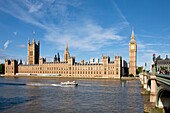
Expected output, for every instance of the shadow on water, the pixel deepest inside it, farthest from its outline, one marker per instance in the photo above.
(12, 84)
(6, 103)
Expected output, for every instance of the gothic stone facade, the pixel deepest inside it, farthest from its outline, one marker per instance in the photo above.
(132, 55)
(162, 63)
(33, 52)
(68, 67)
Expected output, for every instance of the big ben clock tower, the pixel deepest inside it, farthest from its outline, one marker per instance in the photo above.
(132, 55)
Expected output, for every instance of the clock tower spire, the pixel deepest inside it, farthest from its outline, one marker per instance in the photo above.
(132, 54)
(133, 35)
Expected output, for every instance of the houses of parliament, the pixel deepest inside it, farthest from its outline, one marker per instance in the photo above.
(69, 67)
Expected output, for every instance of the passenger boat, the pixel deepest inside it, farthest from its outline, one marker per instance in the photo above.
(68, 83)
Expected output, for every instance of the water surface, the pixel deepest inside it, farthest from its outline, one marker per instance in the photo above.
(35, 95)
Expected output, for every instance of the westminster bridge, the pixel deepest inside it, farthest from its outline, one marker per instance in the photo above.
(159, 87)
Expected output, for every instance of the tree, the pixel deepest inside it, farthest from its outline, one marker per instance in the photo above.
(2, 68)
(139, 70)
(163, 69)
(131, 75)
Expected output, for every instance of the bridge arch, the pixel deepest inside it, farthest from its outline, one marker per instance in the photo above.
(163, 98)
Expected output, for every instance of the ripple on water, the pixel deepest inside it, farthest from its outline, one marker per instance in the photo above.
(91, 96)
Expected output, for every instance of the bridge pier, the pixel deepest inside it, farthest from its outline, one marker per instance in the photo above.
(141, 78)
(145, 81)
(159, 87)
(153, 88)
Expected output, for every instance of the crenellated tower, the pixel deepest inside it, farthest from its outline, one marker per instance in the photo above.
(33, 52)
(132, 55)
(11, 67)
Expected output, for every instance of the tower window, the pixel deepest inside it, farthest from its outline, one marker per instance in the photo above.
(31, 53)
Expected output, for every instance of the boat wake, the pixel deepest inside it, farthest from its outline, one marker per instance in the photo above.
(40, 84)
(92, 85)
(52, 85)
(34, 84)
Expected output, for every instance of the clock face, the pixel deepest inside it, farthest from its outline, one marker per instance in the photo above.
(132, 47)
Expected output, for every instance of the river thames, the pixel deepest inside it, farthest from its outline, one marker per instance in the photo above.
(44, 95)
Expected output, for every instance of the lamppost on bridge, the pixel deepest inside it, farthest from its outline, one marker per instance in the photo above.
(154, 64)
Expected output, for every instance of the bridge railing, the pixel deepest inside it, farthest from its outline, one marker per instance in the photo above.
(163, 91)
(163, 78)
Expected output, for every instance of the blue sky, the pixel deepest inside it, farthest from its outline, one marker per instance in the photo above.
(91, 28)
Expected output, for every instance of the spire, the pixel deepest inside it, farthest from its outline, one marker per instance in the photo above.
(67, 46)
(132, 36)
(38, 42)
(58, 57)
(20, 62)
(33, 40)
(66, 53)
(28, 40)
(55, 58)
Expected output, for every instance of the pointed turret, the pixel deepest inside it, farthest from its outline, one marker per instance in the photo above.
(55, 58)
(38, 42)
(28, 40)
(20, 63)
(33, 40)
(58, 55)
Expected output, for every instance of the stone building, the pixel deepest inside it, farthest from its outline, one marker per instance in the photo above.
(11, 67)
(162, 63)
(68, 67)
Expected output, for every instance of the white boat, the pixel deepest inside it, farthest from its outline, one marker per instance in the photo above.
(68, 83)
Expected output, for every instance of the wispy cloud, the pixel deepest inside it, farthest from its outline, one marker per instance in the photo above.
(152, 36)
(120, 12)
(2, 55)
(15, 33)
(89, 38)
(141, 45)
(22, 46)
(17, 10)
(82, 33)
(6, 44)
(35, 8)
(146, 36)
(147, 51)
(157, 44)
(144, 53)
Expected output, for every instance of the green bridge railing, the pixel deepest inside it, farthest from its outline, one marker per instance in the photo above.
(163, 78)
